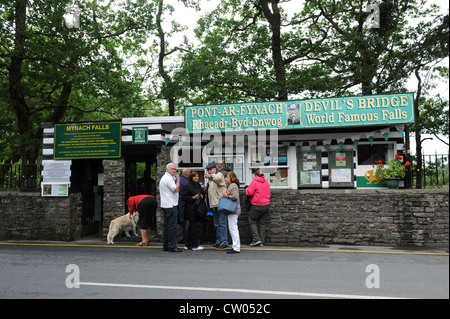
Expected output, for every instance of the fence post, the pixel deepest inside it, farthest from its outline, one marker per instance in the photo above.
(409, 173)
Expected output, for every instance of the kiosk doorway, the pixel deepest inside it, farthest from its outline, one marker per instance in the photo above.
(140, 175)
(87, 180)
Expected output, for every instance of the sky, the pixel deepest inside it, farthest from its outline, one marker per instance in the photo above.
(189, 18)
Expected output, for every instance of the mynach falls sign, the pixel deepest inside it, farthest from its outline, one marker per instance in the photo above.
(352, 111)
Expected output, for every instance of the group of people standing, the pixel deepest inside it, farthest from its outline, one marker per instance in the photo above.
(181, 195)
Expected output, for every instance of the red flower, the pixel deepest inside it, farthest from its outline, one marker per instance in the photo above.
(407, 163)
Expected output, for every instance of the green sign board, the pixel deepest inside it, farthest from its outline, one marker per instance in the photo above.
(88, 140)
(353, 111)
(236, 116)
(140, 135)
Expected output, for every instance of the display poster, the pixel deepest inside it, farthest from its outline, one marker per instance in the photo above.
(341, 160)
(279, 178)
(315, 177)
(309, 167)
(56, 171)
(341, 175)
(56, 178)
(55, 189)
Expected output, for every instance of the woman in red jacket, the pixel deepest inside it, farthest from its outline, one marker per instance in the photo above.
(259, 189)
(146, 206)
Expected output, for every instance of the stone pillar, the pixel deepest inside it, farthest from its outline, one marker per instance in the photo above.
(162, 159)
(113, 191)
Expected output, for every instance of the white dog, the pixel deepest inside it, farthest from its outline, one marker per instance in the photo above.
(123, 223)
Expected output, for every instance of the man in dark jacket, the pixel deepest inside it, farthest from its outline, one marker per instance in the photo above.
(184, 181)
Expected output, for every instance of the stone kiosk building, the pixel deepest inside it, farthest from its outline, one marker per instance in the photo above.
(317, 155)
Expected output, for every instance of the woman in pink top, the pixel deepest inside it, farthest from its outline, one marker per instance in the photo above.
(259, 189)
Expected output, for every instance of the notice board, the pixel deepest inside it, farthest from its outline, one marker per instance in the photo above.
(97, 140)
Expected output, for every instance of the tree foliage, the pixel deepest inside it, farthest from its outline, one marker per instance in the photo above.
(122, 63)
(58, 74)
(260, 49)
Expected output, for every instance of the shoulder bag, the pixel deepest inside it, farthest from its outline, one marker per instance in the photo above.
(200, 207)
(227, 206)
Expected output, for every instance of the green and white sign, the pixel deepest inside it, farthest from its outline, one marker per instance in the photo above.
(373, 110)
(236, 116)
(140, 135)
(88, 140)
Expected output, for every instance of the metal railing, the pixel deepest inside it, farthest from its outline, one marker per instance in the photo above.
(435, 171)
(27, 177)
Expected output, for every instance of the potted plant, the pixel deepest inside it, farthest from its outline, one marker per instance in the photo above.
(392, 172)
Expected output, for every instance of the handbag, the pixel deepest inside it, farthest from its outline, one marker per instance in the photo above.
(248, 202)
(227, 206)
(200, 207)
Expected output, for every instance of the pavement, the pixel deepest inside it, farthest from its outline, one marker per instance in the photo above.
(93, 241)
(51, 269)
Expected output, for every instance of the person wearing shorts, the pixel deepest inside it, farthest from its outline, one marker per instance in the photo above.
(146, 206)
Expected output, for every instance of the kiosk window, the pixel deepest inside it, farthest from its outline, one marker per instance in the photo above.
(189, 157)
(368, 154)
(275, 176)
(233, 162)
(273, 164)
(310, 170)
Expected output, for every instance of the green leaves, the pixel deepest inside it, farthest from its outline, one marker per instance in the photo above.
(72, 74)
(250, 50)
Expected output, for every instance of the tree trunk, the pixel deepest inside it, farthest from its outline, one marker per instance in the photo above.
(166, 92)
(273, 16)
(419, 161)
(418, 136)
(29, 153)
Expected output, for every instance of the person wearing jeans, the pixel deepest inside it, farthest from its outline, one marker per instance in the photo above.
(220, 222)
(169, 188)
(216, 187)
(170, 229)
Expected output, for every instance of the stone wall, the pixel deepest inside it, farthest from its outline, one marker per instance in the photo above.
(30, 216)
(356, 217)
(114, 192)
(162, 158)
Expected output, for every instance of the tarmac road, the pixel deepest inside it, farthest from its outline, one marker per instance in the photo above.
(40, 270)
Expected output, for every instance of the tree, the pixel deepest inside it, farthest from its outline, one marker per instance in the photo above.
(171, 87)
(434, 48)
(370, 59)
(325, 48)
(58, 74)
(381, 59)
(432, 115)
(248, 51)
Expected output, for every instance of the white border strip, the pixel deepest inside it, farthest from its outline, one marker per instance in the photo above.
(242, 291)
